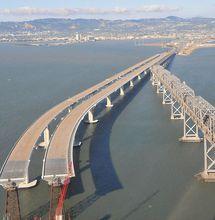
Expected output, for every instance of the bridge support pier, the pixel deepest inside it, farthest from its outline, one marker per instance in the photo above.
(152, 76)
(167, 97)
(208, 175)
(109, 103)
(191, 130)
(131, 83)
(122, 91)
(139, 77)
(160, 88)
(46, 138)
(55, 191)
(12, 207)
(165, 64)
(176, 110)
(154, 80)
(91, 119)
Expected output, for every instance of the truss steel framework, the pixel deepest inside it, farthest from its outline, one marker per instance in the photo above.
(196, 112)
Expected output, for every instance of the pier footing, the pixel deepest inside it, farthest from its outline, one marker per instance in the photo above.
(206, 177)
(77, 144)
(27, 185)
(91, 121)
(190, 139)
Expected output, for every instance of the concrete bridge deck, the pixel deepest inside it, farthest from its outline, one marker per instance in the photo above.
(58, 161)
(16, 166)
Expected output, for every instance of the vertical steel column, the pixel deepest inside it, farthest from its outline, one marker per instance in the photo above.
(12, 207)
(209, 156)
(176, 110)
(55, 190)
(160, 88)
(154, 80)
(167, 97)
(191, 130)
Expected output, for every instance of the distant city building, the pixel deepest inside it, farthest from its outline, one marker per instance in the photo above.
(77, 37)
(90, 38)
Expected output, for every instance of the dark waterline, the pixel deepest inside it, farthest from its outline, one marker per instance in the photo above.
(147, 174)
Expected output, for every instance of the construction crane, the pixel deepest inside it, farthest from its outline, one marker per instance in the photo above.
(58, 196)
(59, 209)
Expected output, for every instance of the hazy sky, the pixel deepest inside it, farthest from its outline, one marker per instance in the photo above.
(108, 9)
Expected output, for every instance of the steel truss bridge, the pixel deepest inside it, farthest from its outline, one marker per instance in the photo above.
(197, 114)
(56, 129)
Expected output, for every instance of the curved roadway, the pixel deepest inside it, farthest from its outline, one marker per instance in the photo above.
(17, 163)
(58, 161)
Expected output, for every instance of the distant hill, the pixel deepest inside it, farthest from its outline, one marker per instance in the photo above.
(88, 25)
(174, 18)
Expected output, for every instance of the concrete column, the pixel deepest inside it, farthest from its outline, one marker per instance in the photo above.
(91, 118)
(122, 91)
(109, 104)
(46, 137)
(139, 77)
(131, 83)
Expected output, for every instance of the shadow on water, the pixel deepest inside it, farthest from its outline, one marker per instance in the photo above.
(76, 185)
(104, 175)
(40, 211)
(103, 172)
(140, 205)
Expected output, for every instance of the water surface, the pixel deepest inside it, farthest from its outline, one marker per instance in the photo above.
(131, 165)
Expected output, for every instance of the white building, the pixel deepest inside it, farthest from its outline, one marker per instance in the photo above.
(77, 37)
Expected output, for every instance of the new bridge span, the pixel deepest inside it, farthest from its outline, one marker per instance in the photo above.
(66, 117)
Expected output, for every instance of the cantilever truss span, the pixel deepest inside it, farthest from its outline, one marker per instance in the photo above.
(195, 111)
(64, 120)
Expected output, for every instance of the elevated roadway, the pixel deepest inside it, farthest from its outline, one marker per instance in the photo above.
(58, 160)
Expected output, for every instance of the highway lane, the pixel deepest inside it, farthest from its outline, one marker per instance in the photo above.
(59, 158)
(17, 163)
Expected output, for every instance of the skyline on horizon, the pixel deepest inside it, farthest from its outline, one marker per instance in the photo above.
(19, 10)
